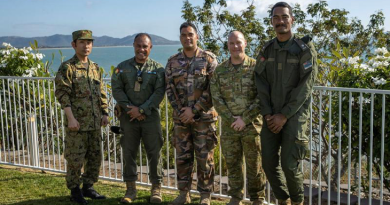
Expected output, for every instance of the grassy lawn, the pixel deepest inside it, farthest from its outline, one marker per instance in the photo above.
(26, 186)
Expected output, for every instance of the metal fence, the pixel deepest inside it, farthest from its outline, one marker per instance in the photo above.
(347, 162)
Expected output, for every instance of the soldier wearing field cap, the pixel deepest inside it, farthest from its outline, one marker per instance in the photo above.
(285, 73)
(80, 91)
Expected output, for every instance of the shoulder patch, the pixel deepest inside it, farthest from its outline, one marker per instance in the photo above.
(301, 44)
(173, 56)
(210, 53)
(268, 43)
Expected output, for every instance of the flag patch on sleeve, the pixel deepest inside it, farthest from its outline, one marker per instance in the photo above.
(307, 64)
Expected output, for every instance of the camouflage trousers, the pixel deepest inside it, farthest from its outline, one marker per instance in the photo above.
(82, 148)
(199, 138)
(236, 145)
(283, 153)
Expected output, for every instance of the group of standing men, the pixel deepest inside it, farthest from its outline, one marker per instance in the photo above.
(263, 104)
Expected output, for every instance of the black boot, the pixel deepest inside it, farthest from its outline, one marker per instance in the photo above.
(77, 196)
(90, 192)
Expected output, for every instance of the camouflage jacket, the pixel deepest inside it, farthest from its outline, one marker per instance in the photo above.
(82, 89)
(188, 83)
(234, 92)
(285, 76)
(152, 88)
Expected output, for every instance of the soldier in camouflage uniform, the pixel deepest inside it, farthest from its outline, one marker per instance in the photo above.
(235, 99)
(138, 86)
(80, 91)
(187, 77)
(285, 74)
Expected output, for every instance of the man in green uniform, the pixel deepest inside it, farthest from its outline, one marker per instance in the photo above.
(188, 75)
(138, 86)
(80, 91)
(235, 99)
(285, 74)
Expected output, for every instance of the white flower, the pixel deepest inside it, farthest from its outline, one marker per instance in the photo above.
(382, 51)
(366, 100)
(3, 65)
(378, 81)
(29, 48)
(6, 44)
(24, 50)
(23, 57)
(343, 60)
(39, 56)
(39, 66)
(353, 60)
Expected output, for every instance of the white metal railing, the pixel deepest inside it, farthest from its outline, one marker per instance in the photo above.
(343, 141)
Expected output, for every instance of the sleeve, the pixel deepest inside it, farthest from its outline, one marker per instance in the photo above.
(262, 85)
(205, 102)
(308, 72)
(118, 90)
(63, 81)
(170, 86)
(103, 94)
(158, 94)
(253, 110)
(218, 101)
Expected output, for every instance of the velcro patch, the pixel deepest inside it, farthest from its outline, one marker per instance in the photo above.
(307, 64)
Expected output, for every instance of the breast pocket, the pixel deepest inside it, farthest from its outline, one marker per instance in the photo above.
(291, 73)
(149, 80)
(81, 86)
(200, 79)
(129, 79)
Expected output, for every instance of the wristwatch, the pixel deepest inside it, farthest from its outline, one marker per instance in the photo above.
(142, 111)
(195, 111)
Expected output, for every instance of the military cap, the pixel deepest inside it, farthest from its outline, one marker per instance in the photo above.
(82, 35)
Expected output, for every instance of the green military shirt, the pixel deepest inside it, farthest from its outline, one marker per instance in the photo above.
(234, 92)
(152, 89)
(82, 89)
(285, 76)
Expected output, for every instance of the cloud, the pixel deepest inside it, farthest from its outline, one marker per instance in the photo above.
(262, 6)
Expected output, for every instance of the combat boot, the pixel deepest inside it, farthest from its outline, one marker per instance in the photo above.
(234, 201)
(77, 196)
(90, 192)
(284, 202)
(205, 198)
(258, 202)
(155, 194)
(183, 198)
(131, 193)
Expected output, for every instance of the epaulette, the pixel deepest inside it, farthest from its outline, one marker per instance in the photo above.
(173, 56)
(268, 43)
(302, 42)
(210, 54)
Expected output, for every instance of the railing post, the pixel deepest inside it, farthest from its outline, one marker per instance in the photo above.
(33, 138)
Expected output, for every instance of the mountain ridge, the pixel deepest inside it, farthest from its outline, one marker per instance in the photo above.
(63, 41)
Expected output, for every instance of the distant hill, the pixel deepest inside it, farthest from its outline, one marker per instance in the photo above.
(59, 41)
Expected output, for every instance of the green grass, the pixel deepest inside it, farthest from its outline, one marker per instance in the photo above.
(21, 186)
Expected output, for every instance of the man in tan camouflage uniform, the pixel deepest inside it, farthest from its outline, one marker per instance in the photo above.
(187, 77)
(235, 98)
(138, 85)
(80, 91)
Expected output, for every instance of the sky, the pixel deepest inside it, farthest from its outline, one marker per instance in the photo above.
(120, 18)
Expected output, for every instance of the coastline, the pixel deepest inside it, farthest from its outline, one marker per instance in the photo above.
(48, 48)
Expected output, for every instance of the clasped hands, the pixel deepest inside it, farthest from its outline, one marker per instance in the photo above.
(275, 122)
(135, 114)
(186, 116)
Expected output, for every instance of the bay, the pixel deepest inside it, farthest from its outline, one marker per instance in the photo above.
(109, 56)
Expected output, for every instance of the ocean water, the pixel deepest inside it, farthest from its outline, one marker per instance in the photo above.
(110, 56)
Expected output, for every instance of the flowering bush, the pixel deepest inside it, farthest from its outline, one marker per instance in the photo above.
(370, 72)
(21, 62)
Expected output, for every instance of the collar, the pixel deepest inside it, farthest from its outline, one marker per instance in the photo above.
(78, 63)
(288, 44)
(245, 63)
